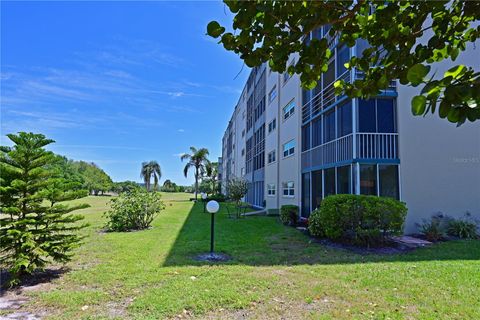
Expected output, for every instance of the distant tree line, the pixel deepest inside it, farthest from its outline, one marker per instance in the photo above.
(82, 175)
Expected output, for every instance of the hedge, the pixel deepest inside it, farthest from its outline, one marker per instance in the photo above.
(289, 214)
(358, 219)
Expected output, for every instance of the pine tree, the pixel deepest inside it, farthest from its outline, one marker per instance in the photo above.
(35, 227)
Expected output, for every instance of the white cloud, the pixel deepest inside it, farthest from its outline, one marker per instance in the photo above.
(181, 130)
(176, 94)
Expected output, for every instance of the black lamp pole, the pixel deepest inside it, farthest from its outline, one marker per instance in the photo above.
(204, 204)
(212, 231)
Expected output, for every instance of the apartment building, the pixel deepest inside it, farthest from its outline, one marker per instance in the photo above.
(304, 145)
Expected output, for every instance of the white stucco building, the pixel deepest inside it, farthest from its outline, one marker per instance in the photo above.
(296, 146)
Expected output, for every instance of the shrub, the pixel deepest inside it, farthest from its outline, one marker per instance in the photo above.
(465, 228)
(217, 197)
(435, 228)
(237, 189)
(358, 219)
(133, 211)
(289, 214)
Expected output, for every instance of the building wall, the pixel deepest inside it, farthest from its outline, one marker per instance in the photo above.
(440, 163)
(283, 169)
(272, 141)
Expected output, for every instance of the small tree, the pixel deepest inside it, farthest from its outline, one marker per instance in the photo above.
(133, 210)
(35, 228)
(237, 189)
(210, 176)
(151, 169)
(197, 160)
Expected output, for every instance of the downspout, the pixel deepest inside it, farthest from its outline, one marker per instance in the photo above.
(279, 155)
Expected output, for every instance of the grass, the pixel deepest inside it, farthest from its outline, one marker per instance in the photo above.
(276, 272)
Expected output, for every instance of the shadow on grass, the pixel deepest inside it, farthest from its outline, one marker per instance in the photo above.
(36, 278)
(264, 241)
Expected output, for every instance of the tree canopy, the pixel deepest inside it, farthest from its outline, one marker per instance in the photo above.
(405, 39)
(35, 226)
(95, 180)
(197, 160)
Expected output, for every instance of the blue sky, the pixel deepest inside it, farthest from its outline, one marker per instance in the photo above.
(118, 83)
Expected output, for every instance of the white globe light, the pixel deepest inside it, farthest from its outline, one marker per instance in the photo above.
(204, 196)
(213, 206)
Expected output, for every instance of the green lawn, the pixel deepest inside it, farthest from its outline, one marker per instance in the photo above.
(276, 272)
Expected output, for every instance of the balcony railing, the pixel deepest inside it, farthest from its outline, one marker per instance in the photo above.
(323, 99)
(377, 145)
(340, 149)
(327, 97)
(381, 146)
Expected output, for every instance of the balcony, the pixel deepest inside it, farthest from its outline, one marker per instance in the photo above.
(377, 146)
(326, 97)
(340, 149)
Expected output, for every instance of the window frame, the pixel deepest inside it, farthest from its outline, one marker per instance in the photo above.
(290, 151)
(271, 190)
(286, 75)
(273, 90)
(271, 157)
(288, 186)
(272, 125)
(287, 114)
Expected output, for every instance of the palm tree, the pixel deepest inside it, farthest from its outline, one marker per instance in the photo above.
(211, 174)
(149, 169)
(197, 159)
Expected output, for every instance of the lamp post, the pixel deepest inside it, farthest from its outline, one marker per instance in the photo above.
(212, 207)
(204, 198)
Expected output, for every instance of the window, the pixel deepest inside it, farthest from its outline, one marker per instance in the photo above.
(368, 179)
(306, 137)
(243, 113)
(329, 126)
(242, 171)
(317, 185)
(343, 56)
(329, 181)
(366, 115)
(306, 194)
(287, 75)
(288, 110)
(243, 133)
(343, 179)
(243, 152)
(326, 29)
(289, 148)
(317, 132)
(273, 94)
(376, 115)
(271, 156)
(306, 96)
(385, 115)
(288, 189)
(388, 175)
(272, 125)
(344, 119)
(329, 76)
(270, 189)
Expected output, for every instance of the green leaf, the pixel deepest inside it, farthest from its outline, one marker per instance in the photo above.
(214, 29)
(417, 73)
(454, 115)
(455, 72)
(418, 105)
